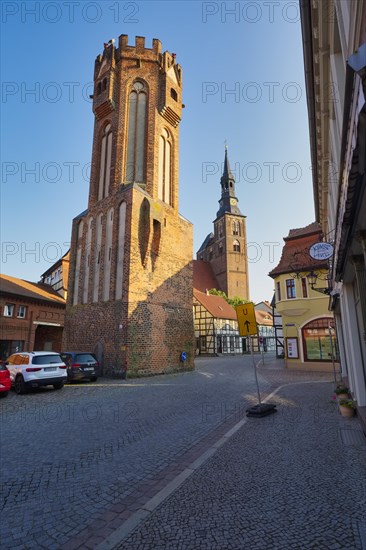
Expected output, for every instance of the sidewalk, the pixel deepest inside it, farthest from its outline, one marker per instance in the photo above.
(292, 480)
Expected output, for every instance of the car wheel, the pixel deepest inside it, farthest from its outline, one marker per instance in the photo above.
(19, 385)
(4, 393)
(94, 379)
(58, 386)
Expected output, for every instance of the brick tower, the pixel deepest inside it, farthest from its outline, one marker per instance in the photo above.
(130, 287)
(226, 248)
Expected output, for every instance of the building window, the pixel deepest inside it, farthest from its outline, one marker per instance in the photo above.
(221, 249)
(105, 162)
(236, 228)
(278, 291)
(236, 246)
(174, 94)
(304, 287)
(210, 255)
(224, 344)
(319, 340)
(9, 310)
(22, 312)
(290, 288)
(135, 167)
(165, 162)
(232, 343)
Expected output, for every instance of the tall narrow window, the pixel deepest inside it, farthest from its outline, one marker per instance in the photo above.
(236, 228)
(236, 246)
(278, 289)
(108, 254)
(290, 288)
(87, 260)
(97, 256)
(304, 288)
(135, 168)
(120, 250)
(78, 263)
(165, 150)
(105, 163)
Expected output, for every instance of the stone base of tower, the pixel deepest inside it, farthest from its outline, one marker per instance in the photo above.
(146, 330)
(150, 341)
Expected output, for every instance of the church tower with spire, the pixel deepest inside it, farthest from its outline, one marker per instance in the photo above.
(226, 248)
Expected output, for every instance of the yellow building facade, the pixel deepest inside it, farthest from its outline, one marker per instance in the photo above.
(308, 326)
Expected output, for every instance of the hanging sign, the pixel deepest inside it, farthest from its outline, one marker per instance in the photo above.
(321, 251)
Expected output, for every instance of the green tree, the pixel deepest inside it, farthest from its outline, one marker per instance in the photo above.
(235, 301)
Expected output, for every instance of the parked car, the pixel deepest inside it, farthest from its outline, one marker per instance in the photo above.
(5, 382)
(81, 365)
(35, 369)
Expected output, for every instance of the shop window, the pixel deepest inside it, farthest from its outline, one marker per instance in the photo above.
(319, 340)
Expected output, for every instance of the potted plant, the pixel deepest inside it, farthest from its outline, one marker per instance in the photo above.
(347, 407)
(341, 391)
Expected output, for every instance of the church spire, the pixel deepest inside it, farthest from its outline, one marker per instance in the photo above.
(228, 202)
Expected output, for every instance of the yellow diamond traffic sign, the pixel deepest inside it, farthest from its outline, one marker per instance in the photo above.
(246, 319)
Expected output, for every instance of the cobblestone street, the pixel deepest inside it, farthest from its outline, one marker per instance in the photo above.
(83, 466)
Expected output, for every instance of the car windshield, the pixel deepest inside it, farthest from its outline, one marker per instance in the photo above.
(46, 359)
(85, 358)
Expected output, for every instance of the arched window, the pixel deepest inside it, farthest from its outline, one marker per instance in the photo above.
(174, 94)
(87, 256)
(236, 227)
(78, 262)
(108, 255)
(165, 162)
(135, 167)
(120, 249)
(97, 256)
(105, 162)
(104, 84)
(236, 246)
(319, 340)
(99, 88)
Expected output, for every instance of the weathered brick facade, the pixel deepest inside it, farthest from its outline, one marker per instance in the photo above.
(130, 283)
(31, 317)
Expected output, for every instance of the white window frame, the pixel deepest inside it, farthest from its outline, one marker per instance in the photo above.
(9, 308)
(24, 309)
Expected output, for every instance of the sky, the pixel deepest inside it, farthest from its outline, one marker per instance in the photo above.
(243, 85)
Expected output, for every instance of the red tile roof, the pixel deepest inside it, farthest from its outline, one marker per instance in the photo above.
(263, 318)
(216, 305)
(36, 291)
(203, 276)
(295, 253)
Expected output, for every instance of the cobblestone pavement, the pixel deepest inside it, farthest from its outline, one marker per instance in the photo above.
(77, 464)
(74, 461)
(292, 480)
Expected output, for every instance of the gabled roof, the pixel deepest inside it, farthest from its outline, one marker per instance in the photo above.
(263, 318)
(216, 305)
(311, 229)
(295, 253)
(203, 276)
(35, 291)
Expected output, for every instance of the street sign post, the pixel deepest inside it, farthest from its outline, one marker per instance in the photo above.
(246, 319)
(247, 324)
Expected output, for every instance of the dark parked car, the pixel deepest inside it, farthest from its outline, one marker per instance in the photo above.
(5, 382)
(81, 365)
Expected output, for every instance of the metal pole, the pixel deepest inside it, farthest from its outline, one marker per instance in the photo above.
(255, 370)
(332, 352)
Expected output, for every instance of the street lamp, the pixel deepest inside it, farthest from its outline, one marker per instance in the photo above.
(312, 278)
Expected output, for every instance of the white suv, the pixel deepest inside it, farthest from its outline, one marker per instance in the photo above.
(37, 368)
